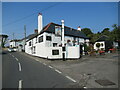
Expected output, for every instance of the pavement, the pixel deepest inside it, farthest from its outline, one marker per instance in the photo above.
(87, 70)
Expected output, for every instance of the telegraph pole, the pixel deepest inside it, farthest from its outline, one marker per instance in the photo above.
(25, 33)
(24, 36)
(13, 36)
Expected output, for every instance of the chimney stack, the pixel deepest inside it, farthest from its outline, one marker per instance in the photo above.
(36, 31)
(79, 28)
(40, 26)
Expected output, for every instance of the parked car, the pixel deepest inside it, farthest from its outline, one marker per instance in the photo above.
(15, 49)
(10, 49)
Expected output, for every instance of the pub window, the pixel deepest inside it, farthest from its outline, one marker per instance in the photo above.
(54, 44)
(48, 38)
(41, 39)
(30, 43)
(55, 52)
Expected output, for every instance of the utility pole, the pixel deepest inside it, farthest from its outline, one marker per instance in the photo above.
(13, 36)
(24, 36)
(25, 33)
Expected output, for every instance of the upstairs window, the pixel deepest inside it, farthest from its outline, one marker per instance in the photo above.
(40, 39)
(48, 38)
(30, 43)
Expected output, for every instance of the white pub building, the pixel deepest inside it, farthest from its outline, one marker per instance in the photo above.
(56, 41)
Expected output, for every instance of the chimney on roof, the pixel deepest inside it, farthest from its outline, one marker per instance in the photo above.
(40, 26)
(36, 31)
(79, 28)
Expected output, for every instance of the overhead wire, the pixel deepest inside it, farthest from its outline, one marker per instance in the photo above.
(18, 20)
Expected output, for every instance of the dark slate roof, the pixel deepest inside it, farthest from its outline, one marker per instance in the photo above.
(30, 36)
(50, 28)
(102, 38)
(16, 40)
(68, 31)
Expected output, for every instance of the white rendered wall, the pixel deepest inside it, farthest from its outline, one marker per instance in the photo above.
(101, 42)
(72, 52)
(55, 39)
(13, 44)
(44, 49)
(49, 52)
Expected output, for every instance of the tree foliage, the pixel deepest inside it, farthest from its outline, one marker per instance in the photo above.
(3, 40)
(87, 31)
(114, 34)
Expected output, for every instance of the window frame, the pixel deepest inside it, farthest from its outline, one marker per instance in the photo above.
(30, 43)
(40, 39)
(48, 38)
(55, 52)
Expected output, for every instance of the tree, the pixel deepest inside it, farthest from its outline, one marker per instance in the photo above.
(87, 31)
(114, 26)
(3, 40)
(106, 32)
(115, 33)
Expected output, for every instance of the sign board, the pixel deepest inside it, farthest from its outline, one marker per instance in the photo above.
(58, 30)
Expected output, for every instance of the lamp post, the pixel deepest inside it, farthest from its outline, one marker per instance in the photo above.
(63, 43)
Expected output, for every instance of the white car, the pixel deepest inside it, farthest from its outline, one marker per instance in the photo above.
(10, 49)
(15, 49)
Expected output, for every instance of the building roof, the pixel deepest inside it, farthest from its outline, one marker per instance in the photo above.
(50, 28)
(102, 38)
(15, 40)
(30, 36)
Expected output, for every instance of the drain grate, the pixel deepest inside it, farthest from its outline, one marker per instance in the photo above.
(104, 82)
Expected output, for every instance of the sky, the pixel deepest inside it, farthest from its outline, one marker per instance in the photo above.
(93, 15)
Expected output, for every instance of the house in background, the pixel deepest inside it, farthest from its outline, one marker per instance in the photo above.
(19, 44)
(105, 43)
(22, 42)
(14, 43)
(48, 42)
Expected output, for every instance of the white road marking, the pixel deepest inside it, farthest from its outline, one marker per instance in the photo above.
(70, 78)
(19, 66)
(44, 63)
(50, 66)
(16, 59)
(57, 71)
(12, 55)
(20, 84)
(36, 60)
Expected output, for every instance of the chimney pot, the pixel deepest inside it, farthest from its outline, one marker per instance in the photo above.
(36, 31)
(40, 14)
(79, 28)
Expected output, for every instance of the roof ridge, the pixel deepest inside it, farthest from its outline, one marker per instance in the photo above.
(47, 26)
(65, 26)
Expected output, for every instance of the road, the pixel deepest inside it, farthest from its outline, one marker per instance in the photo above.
(20, 71)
